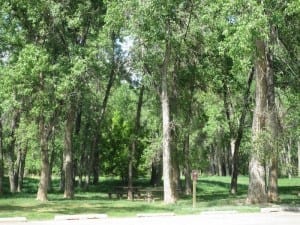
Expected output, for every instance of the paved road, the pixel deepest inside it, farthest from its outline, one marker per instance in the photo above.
(278, 218)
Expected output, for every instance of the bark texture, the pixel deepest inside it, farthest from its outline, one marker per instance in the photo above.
(42, 193)
(298, 146)
(169, 189)
(257, 187)
(187, 167)
(1, 157)
(264, 131)
(68, 154)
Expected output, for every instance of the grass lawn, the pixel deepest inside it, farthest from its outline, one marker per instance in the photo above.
(212, 194)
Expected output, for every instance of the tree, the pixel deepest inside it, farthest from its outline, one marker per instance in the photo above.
(1, 158)
(134, 142)
(266, 126)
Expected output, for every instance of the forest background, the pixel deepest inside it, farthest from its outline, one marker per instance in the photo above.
(137, 88)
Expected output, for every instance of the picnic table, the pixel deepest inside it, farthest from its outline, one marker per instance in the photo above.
(150, 194)
(119, 191)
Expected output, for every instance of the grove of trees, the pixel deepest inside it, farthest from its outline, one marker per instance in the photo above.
(135, 88)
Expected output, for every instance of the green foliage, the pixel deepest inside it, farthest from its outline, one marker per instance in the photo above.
(117, 138)
(57, 53)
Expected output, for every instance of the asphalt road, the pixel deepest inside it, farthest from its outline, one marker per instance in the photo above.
(273, 218)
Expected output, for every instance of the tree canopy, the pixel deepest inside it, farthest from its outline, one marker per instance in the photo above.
(149, 88)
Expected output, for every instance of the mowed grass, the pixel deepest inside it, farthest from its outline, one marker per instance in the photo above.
(212, 194)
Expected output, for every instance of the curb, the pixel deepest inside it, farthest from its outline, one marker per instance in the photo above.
(13, 219)
(80, 217)
(218, 212)
(154, 214)
(280, 209)
(271, 209)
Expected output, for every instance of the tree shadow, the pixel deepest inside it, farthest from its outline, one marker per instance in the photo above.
(289, 195)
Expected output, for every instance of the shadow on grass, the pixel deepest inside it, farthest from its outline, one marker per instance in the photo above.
(210, 191)
(78, 206)
(289, 195)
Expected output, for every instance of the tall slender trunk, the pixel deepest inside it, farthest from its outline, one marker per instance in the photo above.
(298, 146)
(62, 175)
(12, 170)
(236, 141)
(135, 142)
(95, 159)
(68, 153)
(52, 159)
(234, 165)
(169, 190)
(112, 76)
(288, 159)
(51, 163)
(90, 157)
(212, 160)
(175, 168)
(273, 128)
(227, 163)
(21, 167)
(186, 141)
(42, 193)
(187, 167)
(257, 187)
(235, 146)
(219, 158)
(1, 157)
(167, 161)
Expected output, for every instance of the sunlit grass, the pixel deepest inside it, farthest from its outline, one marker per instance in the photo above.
(212, 194)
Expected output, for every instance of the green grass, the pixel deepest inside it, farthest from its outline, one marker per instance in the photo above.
(212, 194)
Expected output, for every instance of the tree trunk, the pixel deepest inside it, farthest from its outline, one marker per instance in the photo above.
(95, 159)
(156, 171)
(236, 142)
(265, 121)
(227, 163)
(298, 145)
(234, 164)
(130, 170)
(186, 142)
(236, 133)
(134, 143)
(288, 159)
(68, 154)
(169, 190)
(187, 167)
(21, 167)
(1, 158)
(211, 159)
(62, 175)
(257, 188)
(112, 76)
(52, 160)
(43, 185)
(219, 160)
(273, 180)
(175, 170)
(273, 129)
(12, 172)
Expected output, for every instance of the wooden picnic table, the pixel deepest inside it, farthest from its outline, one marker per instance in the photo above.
(119, 191)
(149, 194)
